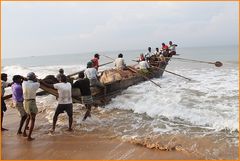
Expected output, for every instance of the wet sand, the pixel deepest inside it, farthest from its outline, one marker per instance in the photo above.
(67, 146)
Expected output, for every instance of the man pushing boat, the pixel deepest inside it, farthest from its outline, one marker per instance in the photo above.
(64, 100)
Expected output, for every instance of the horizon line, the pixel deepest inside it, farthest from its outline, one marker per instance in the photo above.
(84, 52)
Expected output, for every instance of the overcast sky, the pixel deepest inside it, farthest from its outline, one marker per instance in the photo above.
(42, 28)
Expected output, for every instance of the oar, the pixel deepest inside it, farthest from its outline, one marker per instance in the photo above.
(108, 57)
(38, 94)
(167, 71)
(10, 95)
(135, 71)
(84, 69)
(217, 63)
(173, 73)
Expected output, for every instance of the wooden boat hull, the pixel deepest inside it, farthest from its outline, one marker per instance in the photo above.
(113, 88)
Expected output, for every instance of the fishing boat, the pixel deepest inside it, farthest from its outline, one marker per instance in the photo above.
(115, 81)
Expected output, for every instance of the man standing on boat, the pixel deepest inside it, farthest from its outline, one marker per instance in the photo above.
(84, 85)
(91, 74)
(95, 61)
(30, 88)
(64, 101)
(17, 96)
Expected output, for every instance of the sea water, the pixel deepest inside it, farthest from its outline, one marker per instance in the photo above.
(198, 116)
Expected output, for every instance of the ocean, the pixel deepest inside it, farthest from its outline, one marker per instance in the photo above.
(198, 117)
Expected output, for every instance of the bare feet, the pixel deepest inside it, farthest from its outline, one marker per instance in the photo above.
(19, 132)
(70, 129)
(24, 134)
(3, 129)
(87, 114)
(30, 139)
(52, 131)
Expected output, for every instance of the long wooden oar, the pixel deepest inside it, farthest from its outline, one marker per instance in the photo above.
(135, 71)
(217, 63)
(54, 92)
(84, 69)
(38, 94)
(173, 73)
(167, 71)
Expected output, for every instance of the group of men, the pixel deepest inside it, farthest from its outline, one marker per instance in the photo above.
(24, 90)
(165, 53)
(24, 96)
(24, 99)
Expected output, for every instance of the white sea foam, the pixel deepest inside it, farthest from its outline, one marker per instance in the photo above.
(210, 100)
(205, 107)
(42, 71)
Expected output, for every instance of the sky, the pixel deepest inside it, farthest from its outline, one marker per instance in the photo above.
(49, 28)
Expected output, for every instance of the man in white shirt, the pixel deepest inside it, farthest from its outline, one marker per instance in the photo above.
(91, 74)
(119, 62)
(64, 100)
(143, 65)
(30, 88)
(4, 84)
(157, 52)
(148, 54)
(61, 72)
(172, 48)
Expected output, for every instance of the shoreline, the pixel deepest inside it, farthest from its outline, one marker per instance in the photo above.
(68, 146)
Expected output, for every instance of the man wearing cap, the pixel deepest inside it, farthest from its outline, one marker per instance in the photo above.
(95, 61)
(61, 72)
(30, 88)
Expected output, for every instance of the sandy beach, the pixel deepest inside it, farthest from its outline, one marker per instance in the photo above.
(68, 146)
(197, 123)
(185, 107)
